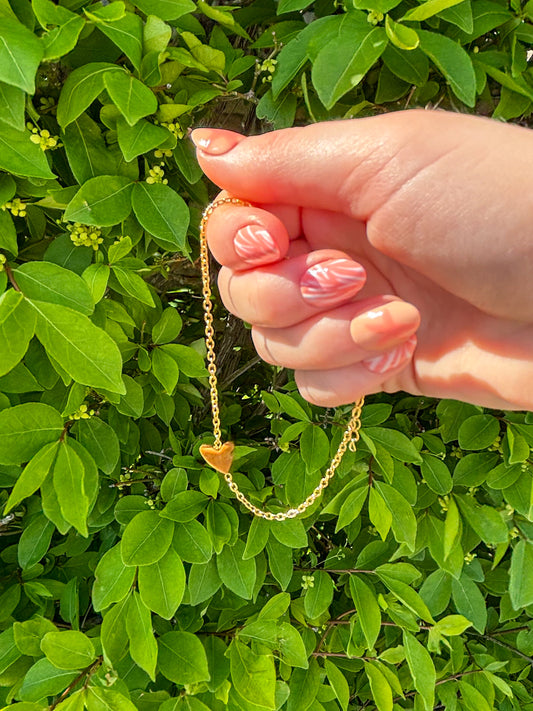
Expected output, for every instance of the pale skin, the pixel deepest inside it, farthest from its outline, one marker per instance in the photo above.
(435, 207)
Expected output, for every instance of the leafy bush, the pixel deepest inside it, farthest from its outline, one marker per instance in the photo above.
(131, 578)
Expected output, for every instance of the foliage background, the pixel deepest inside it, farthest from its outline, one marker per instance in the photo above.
(130, 578)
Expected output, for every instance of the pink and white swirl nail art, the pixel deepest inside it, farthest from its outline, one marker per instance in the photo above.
(255, 245)
(391, 359)
(332, 281)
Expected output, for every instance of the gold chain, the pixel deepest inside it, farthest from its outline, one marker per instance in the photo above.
(220, 451)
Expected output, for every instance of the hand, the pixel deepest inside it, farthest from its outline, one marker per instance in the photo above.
(431, 208)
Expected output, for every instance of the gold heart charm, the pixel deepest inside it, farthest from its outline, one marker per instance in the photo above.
(220, 459)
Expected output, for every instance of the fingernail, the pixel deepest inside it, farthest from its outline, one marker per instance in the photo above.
(385, 326)
(332, 281)
(215, 142)
(392, 359)
(256, 245)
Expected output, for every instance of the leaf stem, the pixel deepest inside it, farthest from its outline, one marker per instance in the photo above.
(11, 277)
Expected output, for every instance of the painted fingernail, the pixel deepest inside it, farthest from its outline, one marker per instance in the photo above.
(392, 359)
(332, 281)
(385, 326)
(215, 142)
(256, 245)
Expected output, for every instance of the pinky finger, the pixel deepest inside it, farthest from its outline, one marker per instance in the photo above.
(340, 386)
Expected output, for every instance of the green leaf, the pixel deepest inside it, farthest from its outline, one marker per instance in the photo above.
(279, 112)
(291, 6)
(9, 652)
(351, 507)
(459, 15)
(166, 9)
(25, 429)
(44, 679)
(469, 602)
(182, 658)
(379, 513)
(380, 687)
(411, 66)
(101, 201)
(400, 35)
(20, 55)
(162, 584)
(304, 684)
(17, 326)
(338, 681)
(189, 361)
(8, 233)
(133, 284)
(368, 610)
(218, 524)
(68, 649)
(185, 157)
(146, 538)
(258, 534)
(192, 542)
(478, 432)
(68, 479)
(314, 447)
(9, 600)
(236, 573)
(405, 594)
(452, 60)
(472, 698)
(253, 675)
(521, 575)
(422, 669)
(101, 441)
(34, 541)
(140, 138)
(87, 153)
(203, 581)
(428, 9)
(297, 51)
(80, 90)
(20, 156)
(453, 625)
(163, 214)
(49, 282)
(113, 631)
(113, 579)
(396, 443)
(343, 63)
(96, 277)
(404, 524)
(33, 475)
(105, 699)
(126, 33)
(452, 527)
(291, 646)
(436, 474)
(168, 327)
(472, 470)
(143, 647)
(132, 98)
(61, 40)
(83, 350)
(12, 107)
(291, 533)
(486, 521)
(452, 414)
(318, 597)
(165, 369)
(263, 632)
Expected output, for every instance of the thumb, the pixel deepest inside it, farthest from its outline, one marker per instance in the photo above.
(350, 166)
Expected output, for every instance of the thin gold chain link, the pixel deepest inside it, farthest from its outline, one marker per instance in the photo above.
(351, 433)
